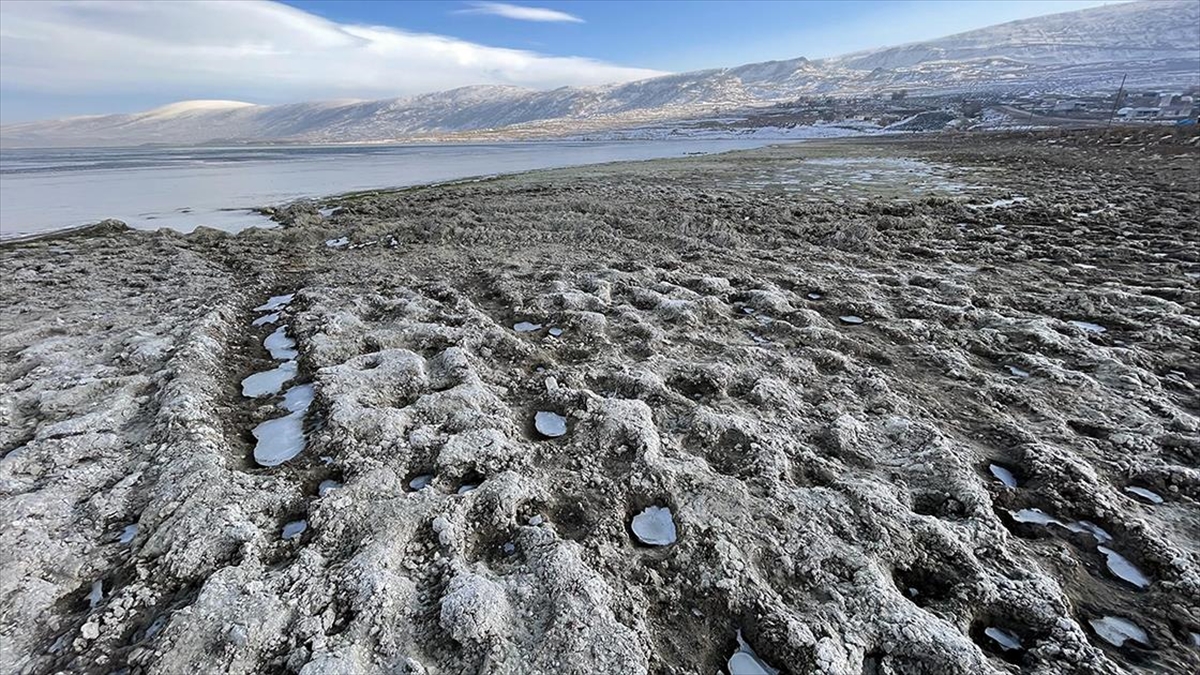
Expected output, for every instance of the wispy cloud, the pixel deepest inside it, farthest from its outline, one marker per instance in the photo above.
(520, 12)
(264, 52)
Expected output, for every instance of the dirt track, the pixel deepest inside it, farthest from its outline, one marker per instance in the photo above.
(830, 482)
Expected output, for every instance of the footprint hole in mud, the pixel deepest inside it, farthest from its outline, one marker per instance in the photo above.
(324, 480)
(1143, 494)
(697, 385)
(469, 482)
(1025, 523)
(419, 480)
(732, 455)
(498, 550)
(1004, 474)
(926, 585)
(546, 424)
(149, 623)
(343, 616)
(652, 522)
(575, 354)
(1089, 429)
(1002, 637)
(938, 504)
(1114, 630)
(573, 519)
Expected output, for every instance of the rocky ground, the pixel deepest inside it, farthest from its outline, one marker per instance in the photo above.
(910, 405)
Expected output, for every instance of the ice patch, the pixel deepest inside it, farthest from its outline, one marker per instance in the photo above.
(327, 486)
(265, 319)
(1000, 203)
(526, 327)
(1006, 640)
(1035, 517)
(814, 296)
(294, 529)
(269, 382)
(281, 347)
(283, 438)
(467, 488)
(1003, 475)
(556, 331)
(851, 319)
(96, 596)
(420, 482)
(1017, 372)
(1124, 570)
(654, 526)
(128, 534)
(1146, 495)
(1116, 631)
(1089, 326)
(337, 243)
(550, 425)
(745, 662)
(275, 302)
(1086, 526)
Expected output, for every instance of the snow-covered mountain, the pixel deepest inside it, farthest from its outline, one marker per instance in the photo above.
(1155, 42)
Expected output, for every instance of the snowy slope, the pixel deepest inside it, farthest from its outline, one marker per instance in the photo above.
(1157, 43)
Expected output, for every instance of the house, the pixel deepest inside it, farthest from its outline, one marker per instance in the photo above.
(1069, 106)
(1175, 106)
(1138, 113)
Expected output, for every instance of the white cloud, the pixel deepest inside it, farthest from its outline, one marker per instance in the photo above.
(253, 50)
(520, 12)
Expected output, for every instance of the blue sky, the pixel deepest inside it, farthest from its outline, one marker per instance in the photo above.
(65, 58)
(679, 36)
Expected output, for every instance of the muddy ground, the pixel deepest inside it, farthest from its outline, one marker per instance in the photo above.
(853, 497)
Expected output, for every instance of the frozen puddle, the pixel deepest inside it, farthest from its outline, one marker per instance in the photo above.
(1148, 496)
(1118, 565)
(550, 425)
(814, 296)
(1006, 640)
(526, 327)
(1035, 517)
(268, 382)
(1003, 475)
(294, 529)
(265, 319)
(556, 332)
(128, 534)
(1017, 372)
(745, 662)
(1124, 570)
(96, 596)
(1116, 631)
(327, 486)
(654, 526)
(420, 482)
(282, 347)
(1089, 326)
(283, 438)
(466, 489)
(275, 302)
(851, 319)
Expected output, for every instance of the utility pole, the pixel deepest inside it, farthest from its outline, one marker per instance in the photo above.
(1116, 102)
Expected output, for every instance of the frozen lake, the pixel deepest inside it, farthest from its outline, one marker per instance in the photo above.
(181, 188)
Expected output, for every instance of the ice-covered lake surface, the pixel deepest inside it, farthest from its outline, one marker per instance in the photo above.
(181, 188)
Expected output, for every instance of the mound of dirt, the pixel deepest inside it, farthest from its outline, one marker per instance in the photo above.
(992, 470)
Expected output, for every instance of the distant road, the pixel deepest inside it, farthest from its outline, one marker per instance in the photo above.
(1047, 120)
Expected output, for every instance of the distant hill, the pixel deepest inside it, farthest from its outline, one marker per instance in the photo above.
(1157, 43)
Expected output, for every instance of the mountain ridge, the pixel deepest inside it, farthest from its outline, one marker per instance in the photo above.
(1085, 50)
